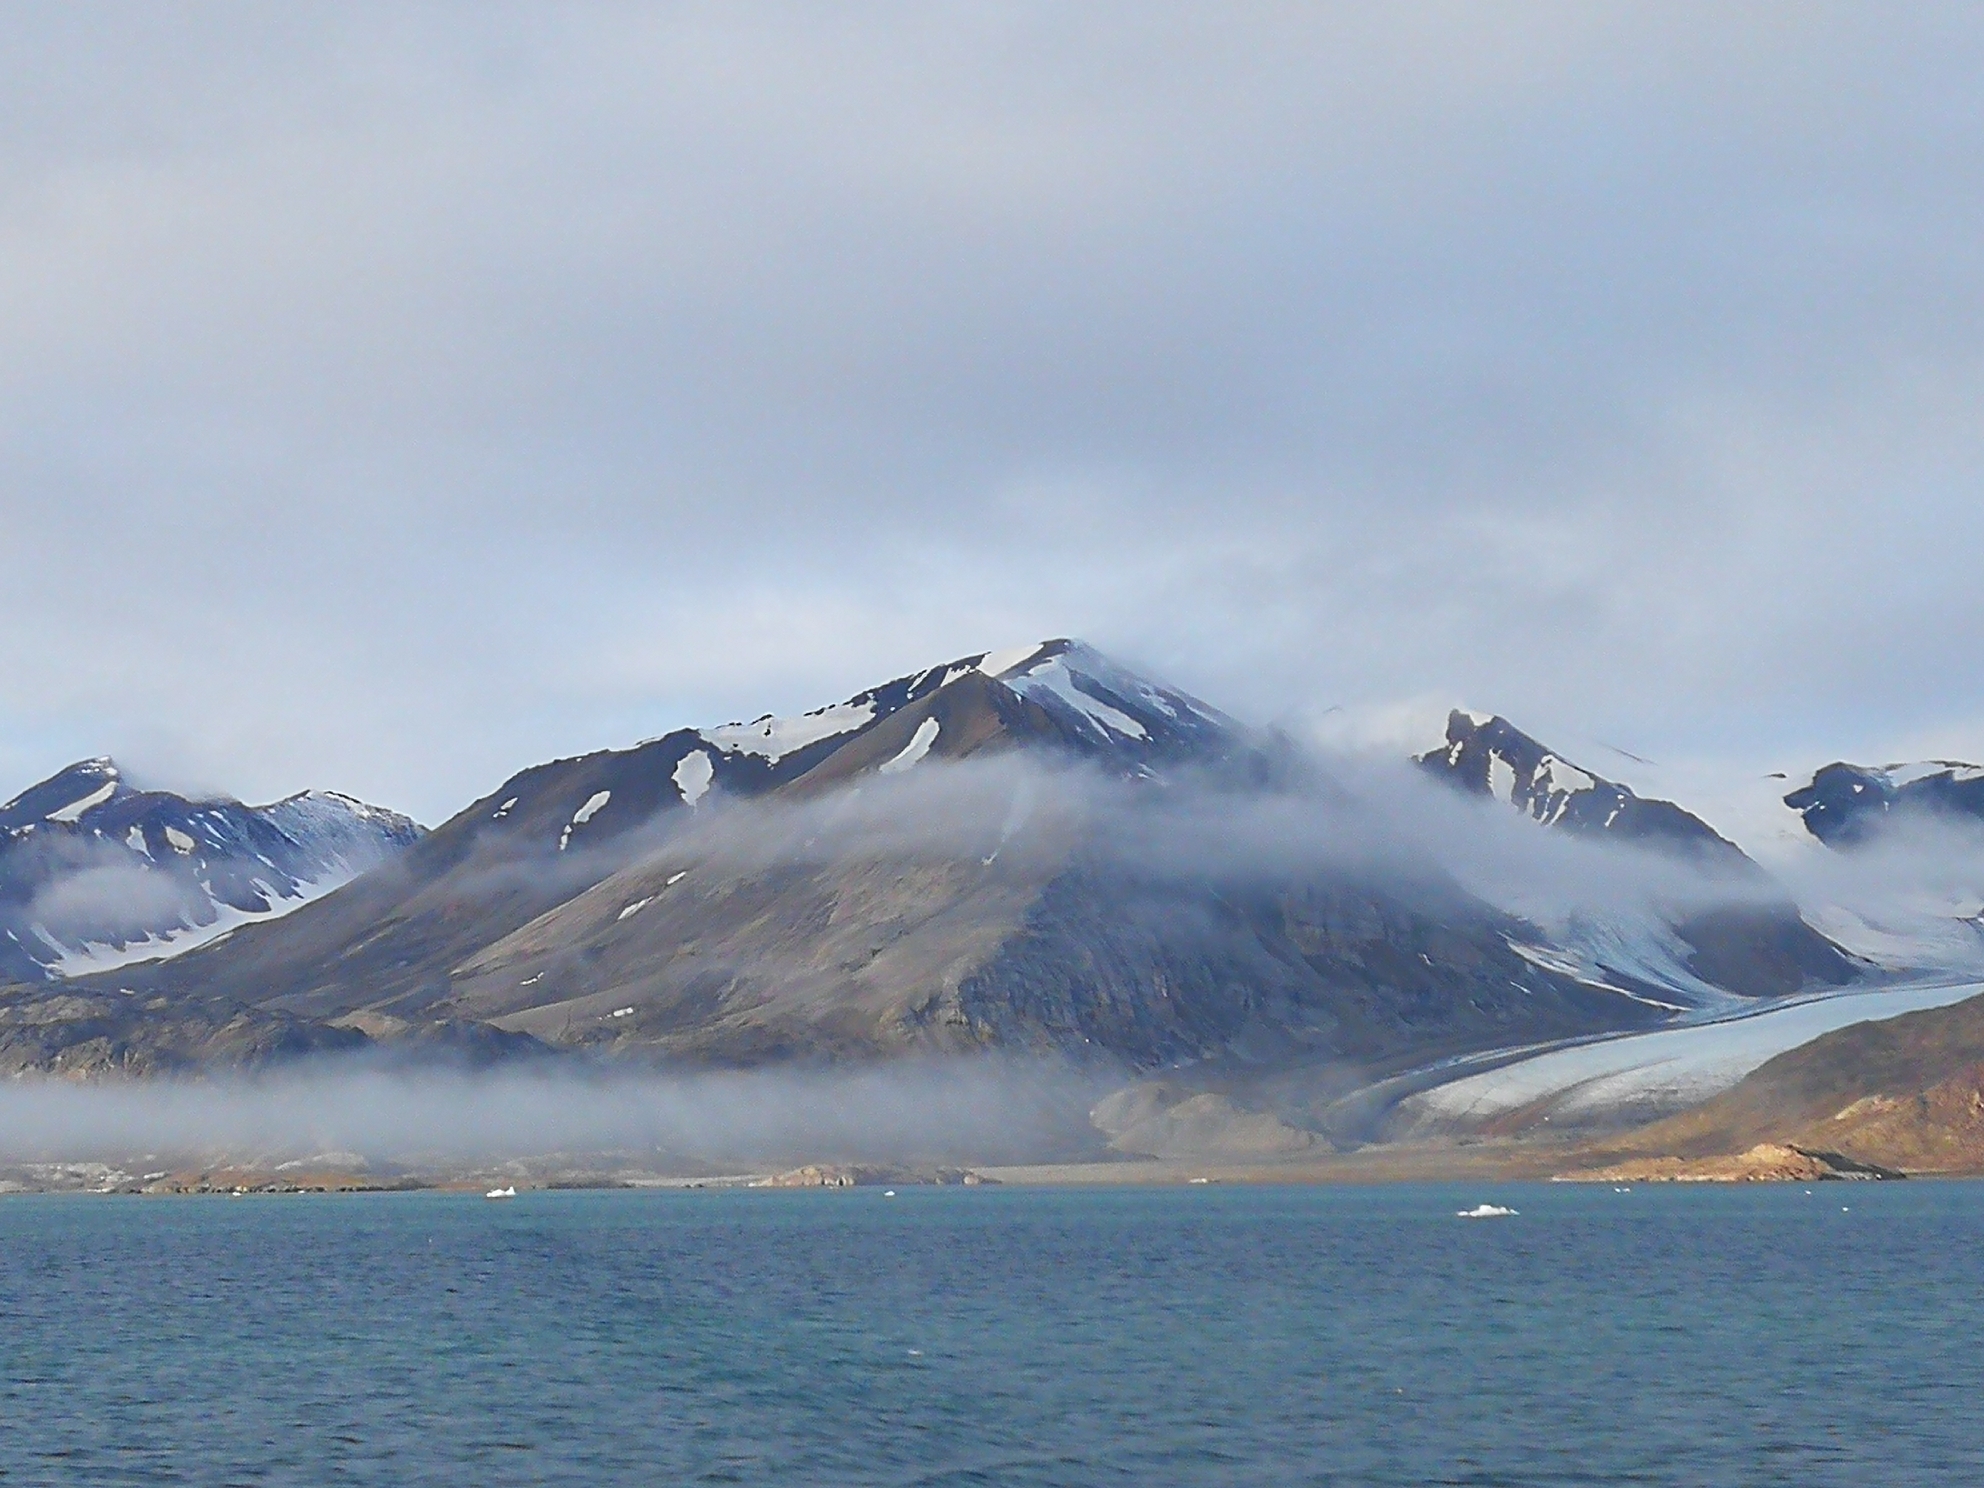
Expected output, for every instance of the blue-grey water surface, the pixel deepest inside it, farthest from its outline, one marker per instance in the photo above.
(1190, 1336)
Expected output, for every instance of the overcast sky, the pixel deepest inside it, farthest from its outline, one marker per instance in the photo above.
(396, 396)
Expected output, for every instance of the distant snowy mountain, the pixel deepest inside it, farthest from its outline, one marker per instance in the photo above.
(96, 874)
(1845, 805)
(1491, 756)
(1756, 950)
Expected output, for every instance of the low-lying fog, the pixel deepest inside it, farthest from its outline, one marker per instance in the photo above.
(961, 1111)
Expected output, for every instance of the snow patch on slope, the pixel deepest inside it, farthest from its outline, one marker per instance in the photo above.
(692, 777)
(918, 746)
(94, 956)
(1053, 678)
(583, 815)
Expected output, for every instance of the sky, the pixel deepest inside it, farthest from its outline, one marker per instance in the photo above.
(395, 396)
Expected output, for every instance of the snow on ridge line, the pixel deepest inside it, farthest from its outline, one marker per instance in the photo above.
(774, 738)
(1908, 774)
(1010, 658)
(74, 810)
(1058, 667)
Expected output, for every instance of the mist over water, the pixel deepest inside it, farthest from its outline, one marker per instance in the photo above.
(961, 1111)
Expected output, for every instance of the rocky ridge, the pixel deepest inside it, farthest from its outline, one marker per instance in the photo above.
(1755, 945)
(96, 872)
(1846, 805)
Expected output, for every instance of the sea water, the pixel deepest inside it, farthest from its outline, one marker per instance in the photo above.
(1175, 1336)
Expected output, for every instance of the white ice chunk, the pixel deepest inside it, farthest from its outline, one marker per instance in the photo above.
(135, 840)
(918, 746)
(693, 774)
(635, 908)
(181, 842)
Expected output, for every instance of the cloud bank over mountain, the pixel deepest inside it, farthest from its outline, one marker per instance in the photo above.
(416, 392)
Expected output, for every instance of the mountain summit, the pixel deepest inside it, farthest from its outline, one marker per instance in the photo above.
(95, 873)
(1760, 949)
(1846, 805)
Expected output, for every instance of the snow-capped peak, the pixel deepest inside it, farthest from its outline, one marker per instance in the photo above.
(1093, 698)
(95, 874)
(1087, 691)
(1493, 757)
(65, 795)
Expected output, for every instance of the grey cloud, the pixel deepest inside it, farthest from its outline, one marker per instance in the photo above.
(418, 392)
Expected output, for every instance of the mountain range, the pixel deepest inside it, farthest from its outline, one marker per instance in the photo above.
(1033, 851)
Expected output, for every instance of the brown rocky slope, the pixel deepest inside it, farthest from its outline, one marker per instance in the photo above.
(1904, 1093)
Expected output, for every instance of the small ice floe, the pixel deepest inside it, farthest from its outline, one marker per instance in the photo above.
(888, 1193)
(501, 1193)
(1484, 1211)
